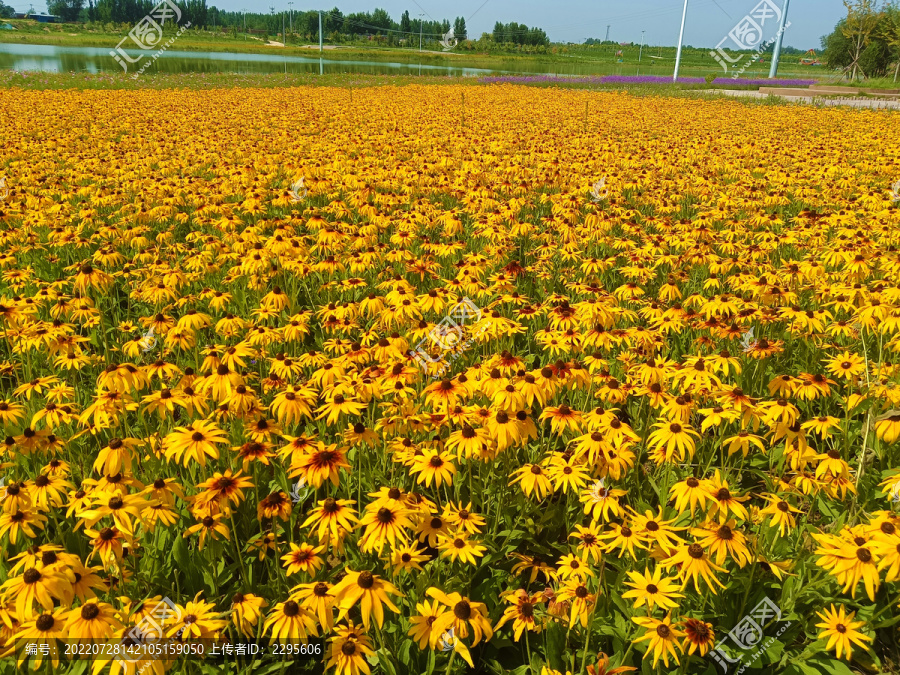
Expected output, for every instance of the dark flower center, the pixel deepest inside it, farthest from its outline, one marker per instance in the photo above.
(462, 610)
(90, 611)
(44, 622)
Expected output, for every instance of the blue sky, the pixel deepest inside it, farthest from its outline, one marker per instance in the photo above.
(575, 20)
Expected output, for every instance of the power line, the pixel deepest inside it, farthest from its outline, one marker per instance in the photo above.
(423, 9)
(723, 9)
(622, 18)
(478, 10)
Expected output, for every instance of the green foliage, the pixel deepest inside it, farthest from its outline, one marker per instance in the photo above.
(68, 10)
(866, 41)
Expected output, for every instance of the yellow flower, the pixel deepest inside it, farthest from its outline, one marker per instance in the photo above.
(841, 631)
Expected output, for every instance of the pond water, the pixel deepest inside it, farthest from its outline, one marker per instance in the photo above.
(50, 58)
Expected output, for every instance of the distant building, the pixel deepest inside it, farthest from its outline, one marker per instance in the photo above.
(44, 18)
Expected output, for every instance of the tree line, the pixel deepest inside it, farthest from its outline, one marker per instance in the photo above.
(377, 23)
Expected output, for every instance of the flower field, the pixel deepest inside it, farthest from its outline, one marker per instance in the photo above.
(448, 379)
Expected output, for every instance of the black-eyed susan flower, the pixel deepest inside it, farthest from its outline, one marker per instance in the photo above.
(458, 546)
(367, 589)
(194, 442)
(663, 638)
(652, 590)
(349, 650)
(92, 621)
(693, 562)
(303, 558)
(246, 609)
(698, 636)
(523, 612)
(601, 501)
(533, 479)
(841, 631)
(38, 586)
(209, 526)
(198, 619)
(289, 621)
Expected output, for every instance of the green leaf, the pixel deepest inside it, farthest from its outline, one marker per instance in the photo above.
(556, 645)
(655, 488)
(887, 622)
(830, 666)
(387, 664)
(773, 652)
(431, 662)
(404, 654)
(180, 553)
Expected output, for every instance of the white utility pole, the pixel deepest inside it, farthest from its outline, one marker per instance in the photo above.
(776, 53)
(680, 40)
(420, 31)
(641, 53)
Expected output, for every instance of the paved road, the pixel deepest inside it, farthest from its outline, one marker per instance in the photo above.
(854, 102)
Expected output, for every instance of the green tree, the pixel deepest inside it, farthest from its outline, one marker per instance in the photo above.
(459, 28)
(332, 21)
(381, 19)
(836, 48)
(68, 10)
(889, 31)
(862, 19)
(405, 23)
(863, 47)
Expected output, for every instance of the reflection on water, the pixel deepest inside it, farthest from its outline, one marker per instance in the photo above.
(97, 59)
(50, 58)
